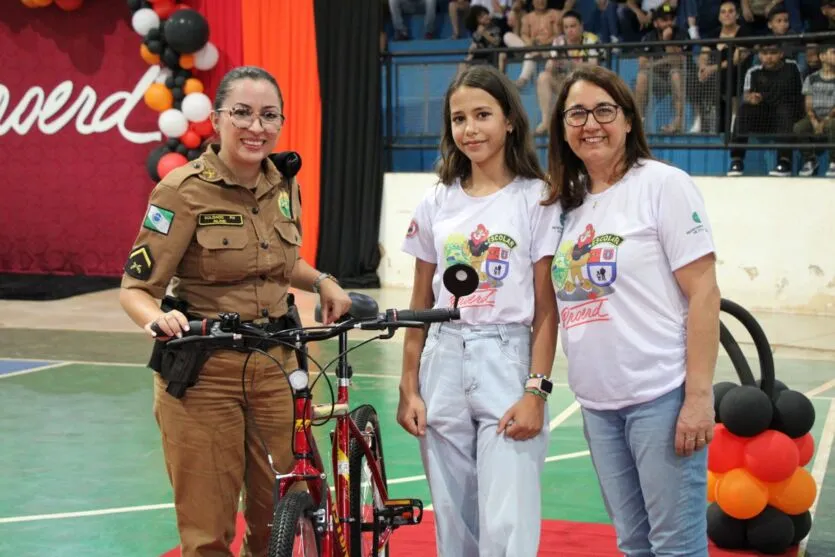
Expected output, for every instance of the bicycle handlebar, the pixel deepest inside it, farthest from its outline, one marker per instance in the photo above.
(228, 329)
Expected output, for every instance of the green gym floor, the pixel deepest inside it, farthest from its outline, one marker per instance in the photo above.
(81, 469)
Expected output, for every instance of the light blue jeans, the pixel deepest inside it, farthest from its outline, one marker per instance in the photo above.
(485, 486)
(655, 498)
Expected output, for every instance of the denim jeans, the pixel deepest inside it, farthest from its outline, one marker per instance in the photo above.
(655, 498)
(485, 486)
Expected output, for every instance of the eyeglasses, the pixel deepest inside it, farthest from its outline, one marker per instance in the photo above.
(242, 118)
(603, 114)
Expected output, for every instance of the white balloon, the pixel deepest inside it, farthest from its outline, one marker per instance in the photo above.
(206, 57)
(197, 107)
(173, 123)
(144, 20)
(163, 75)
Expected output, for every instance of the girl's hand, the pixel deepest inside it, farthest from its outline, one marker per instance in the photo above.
(524, 419)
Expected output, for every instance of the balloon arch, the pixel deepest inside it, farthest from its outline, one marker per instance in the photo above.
(175, 37)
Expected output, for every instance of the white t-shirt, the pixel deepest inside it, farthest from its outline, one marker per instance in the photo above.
(500, 235)
(622, 313)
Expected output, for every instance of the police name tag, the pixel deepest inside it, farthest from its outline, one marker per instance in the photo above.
(220, 219)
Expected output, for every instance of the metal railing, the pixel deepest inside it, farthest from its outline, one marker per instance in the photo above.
(414, 84)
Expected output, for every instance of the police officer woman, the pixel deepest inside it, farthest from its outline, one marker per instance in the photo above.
(226, 228)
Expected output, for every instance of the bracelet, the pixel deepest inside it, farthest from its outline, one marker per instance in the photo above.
(538, 393)
(319, 280)
(536, 376)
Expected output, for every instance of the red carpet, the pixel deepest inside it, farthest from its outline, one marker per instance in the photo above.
(559, 537)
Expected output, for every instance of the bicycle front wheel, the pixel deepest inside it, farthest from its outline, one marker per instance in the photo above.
(293, 532)
(365, 494)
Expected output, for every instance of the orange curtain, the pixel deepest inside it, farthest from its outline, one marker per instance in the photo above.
(280, 36)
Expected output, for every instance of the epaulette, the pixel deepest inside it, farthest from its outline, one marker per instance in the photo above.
(179, 175)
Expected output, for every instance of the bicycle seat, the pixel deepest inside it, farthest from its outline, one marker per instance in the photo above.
(362, 307)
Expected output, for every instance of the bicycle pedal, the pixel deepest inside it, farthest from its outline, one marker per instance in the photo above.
(401, 512)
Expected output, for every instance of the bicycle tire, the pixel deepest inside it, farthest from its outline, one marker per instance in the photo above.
(291, 511)
(364, 417)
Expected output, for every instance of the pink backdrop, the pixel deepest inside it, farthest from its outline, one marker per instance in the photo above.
(74, 185)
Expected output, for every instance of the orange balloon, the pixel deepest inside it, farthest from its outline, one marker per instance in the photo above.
(741, 495)
(158, 97)
(794, 495)
(187, 61)
(193, 85)
(147, 55)
(712, 481)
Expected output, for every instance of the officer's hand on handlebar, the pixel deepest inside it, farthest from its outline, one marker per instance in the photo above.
(169, 324)
(335, 302)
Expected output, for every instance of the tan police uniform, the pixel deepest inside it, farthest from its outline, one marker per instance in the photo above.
(228, 248)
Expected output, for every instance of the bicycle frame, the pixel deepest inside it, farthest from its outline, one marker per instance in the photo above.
(309, 468)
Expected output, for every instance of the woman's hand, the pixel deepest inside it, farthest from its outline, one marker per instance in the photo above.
(524, 419)
(172, 324)
(335, 302)
(694, 428)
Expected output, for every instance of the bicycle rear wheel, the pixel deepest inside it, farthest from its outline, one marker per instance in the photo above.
(293, 532)
(364, 493)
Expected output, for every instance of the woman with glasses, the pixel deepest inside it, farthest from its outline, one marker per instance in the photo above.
(227, 229)
(639, 315)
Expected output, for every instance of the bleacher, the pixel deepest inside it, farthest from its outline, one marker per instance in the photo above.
(418, 84)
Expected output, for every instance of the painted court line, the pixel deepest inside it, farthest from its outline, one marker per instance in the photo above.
(821, 389)
(564, 415)
(34, 369)
(140, 508)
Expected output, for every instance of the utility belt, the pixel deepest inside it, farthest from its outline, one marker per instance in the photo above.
(180, 366)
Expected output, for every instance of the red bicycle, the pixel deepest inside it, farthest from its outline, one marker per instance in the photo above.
(312, 521)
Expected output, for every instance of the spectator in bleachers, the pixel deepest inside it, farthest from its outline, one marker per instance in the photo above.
(539, 28)
(665, 68)
(755, 13)
(827, 22)
(635, 20)
(713, 82)
(778, 25)
(398, 7)
(604, 21)
(485, 33)
(819, 93)
(707, 20)
(772, 102)
(549, 81)
(813, 61)
(459, 10)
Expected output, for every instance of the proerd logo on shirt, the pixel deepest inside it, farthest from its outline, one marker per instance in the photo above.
(585, 271)
(489, 254)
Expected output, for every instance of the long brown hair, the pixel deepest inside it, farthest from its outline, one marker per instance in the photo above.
(519, 153)
(567, 173)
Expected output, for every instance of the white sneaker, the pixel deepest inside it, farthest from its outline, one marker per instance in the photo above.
(809, 168)
(830, 172)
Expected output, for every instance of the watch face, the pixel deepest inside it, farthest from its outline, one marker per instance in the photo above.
(546, 386)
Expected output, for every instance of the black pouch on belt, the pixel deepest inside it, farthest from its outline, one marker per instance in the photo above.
(181, 367)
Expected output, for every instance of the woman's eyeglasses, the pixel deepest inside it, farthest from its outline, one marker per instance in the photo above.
(243, 117)
(603, 113)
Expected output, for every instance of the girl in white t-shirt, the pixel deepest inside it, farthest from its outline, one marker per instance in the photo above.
(635, 280)
(474, 391)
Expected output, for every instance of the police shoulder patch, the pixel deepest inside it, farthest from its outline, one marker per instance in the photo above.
(220, 219)
(140, 262)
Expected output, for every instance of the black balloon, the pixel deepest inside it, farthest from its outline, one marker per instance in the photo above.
(802, 526)
(172, 143)
(153, 34)
(170, 58)
(154, 46)
(182, 149)
(779, 387)
(193, 154)
(724, 530)
(134, 5)
(746, 411)
(178, 94)
(186, 31)
(185, 74)
(770, 532)
(179, 81)
(169, 82)
(794, 414)
(153, 160)
(719, 392)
